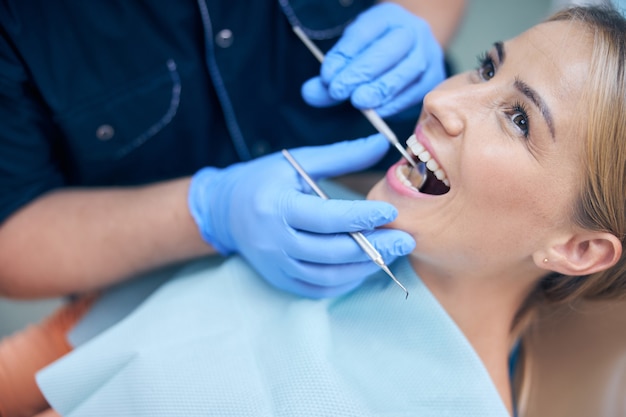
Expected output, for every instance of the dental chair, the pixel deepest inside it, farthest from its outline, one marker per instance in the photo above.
(574, 362)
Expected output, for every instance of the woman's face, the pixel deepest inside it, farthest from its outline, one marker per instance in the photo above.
(509, 137)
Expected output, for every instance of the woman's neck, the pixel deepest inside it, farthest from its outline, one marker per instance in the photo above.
(484, 308)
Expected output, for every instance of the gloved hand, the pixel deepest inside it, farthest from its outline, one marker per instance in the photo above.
(386, 60)
(263, 210)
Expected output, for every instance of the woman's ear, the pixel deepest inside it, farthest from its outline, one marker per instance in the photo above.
(583, 253)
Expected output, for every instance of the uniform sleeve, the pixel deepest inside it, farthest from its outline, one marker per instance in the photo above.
(27, 162)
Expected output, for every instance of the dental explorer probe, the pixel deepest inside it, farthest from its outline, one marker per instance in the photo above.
(370, 114)
(359, 238)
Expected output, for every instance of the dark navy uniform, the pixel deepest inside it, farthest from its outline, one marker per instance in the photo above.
(119, 92)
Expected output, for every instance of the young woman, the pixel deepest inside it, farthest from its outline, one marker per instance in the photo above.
(524, 206)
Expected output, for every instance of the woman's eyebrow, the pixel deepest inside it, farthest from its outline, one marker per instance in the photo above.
(528, 91)
(500, 50)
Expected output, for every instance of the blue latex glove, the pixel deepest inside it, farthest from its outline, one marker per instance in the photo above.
(386, 60)
(263, 210)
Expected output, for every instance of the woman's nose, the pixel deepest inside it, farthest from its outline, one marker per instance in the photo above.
(450, 107)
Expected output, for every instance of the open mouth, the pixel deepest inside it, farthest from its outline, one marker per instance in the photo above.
(430, 178)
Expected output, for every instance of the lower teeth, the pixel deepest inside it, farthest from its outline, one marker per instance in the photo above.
(407, 175)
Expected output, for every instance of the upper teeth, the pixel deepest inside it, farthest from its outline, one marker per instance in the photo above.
(423, 155)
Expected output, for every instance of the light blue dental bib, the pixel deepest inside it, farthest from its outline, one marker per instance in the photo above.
(218, 341)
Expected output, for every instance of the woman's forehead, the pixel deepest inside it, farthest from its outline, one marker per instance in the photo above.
(554, 58)
(558, 45)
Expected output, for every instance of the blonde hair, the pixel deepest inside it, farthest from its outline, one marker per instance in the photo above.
(601, 206)
(602, 203)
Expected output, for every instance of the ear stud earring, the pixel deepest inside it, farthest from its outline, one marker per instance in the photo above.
(545, 260)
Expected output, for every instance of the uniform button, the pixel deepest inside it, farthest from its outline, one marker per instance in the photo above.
(224, 38)
(105, 132)
(346, 3)
(260, 148)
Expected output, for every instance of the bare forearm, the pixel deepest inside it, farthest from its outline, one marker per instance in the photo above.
(79, 240)
(444, 16)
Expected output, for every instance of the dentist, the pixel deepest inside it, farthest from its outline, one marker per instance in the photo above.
(134, 135)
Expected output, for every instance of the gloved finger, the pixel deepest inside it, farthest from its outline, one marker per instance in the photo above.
(355, 38)
(313, 214)
(385, 88)
(424, 66)
(340, 248)
(378, 58)
(414, 94)
(315, 93)
(341, 157)
(363, 32)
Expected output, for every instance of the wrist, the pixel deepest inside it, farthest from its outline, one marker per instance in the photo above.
(205, 200)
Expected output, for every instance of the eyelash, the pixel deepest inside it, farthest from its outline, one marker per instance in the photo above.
(484, 60)
(487, 63)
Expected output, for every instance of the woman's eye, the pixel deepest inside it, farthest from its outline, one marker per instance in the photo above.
(519, 117)
(486, 67)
